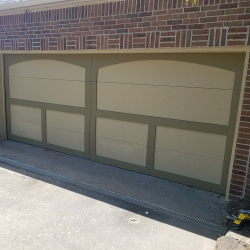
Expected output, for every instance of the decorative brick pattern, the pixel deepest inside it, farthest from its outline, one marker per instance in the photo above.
(129, 24)
(136, 24)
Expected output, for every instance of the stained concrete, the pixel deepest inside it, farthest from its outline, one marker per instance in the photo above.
(37, 212)
(180, 198)
(229, 243)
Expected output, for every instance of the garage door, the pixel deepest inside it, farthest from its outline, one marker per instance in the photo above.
(47, 101)
(170, 116)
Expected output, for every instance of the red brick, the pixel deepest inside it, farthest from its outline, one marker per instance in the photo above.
(237, 29)
(197, 14)
(174, 11)
(237, 36)
(228, 6)
(165, 45)
(213, 25)
(236, 187)
(240, 167)
(244, 4)
(243, 17)
(169, 33)
(234, 11)
(238, 177)
(159, 23)
(200, 32)
(242, 151)
(138, 40)
(199, 44)
(145, 29)
(139, 46)
(200, 38)
(180, 16)
(215, 13)
(209, 7)
(237, 182)
(212, 19)
(114, 41)
(234, 43)
(165, 17)
(234, 192)
(227, 18)
(191, 20)
(192, 9)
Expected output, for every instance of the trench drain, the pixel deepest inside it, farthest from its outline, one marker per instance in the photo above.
(165, 211)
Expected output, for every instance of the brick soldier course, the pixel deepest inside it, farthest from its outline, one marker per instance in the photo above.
(137, 24)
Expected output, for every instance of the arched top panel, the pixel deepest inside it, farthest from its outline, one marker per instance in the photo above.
(50, 69)
(168, 73)
(48, 81)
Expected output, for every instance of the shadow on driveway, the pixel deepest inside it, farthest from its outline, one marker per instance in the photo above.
(181, 224)
(173, 196)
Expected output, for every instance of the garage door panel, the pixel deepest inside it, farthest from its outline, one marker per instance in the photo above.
(121, 150)
(51, 86)
(27, 130)
(26, 122)
(25, 114)
(168, 73)
(191, 104)
(66, 121)
(191, 142)
(64, 92)
(49, 69)
(65, 129)
(65, 138)
(197, 167)
(122, 140)
(122, 130)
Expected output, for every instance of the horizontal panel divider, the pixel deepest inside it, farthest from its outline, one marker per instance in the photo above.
(169, 86)
(47, 106)
(65, 129)
(165, 149)
(235, 88)
(43, 78)
(186, 153)
(164, 122)
(38, 124)
(49, 146)
(109, 138)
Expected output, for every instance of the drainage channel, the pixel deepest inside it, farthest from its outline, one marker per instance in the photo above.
(165, 211)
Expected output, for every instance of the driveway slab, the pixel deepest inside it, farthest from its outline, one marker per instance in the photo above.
(173, 196)
(37, 212)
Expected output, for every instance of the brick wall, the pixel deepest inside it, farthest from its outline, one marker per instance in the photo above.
(130, 24)
(143, 24)
(241, 171)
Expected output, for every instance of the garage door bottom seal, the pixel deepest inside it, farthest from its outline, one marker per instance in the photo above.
(159, 209)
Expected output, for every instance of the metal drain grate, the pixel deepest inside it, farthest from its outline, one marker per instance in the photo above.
(197, 221)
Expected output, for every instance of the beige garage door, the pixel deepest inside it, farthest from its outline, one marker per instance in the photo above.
(47, 101)
(170, 116)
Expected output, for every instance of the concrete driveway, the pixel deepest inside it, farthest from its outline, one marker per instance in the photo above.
(41, 212)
